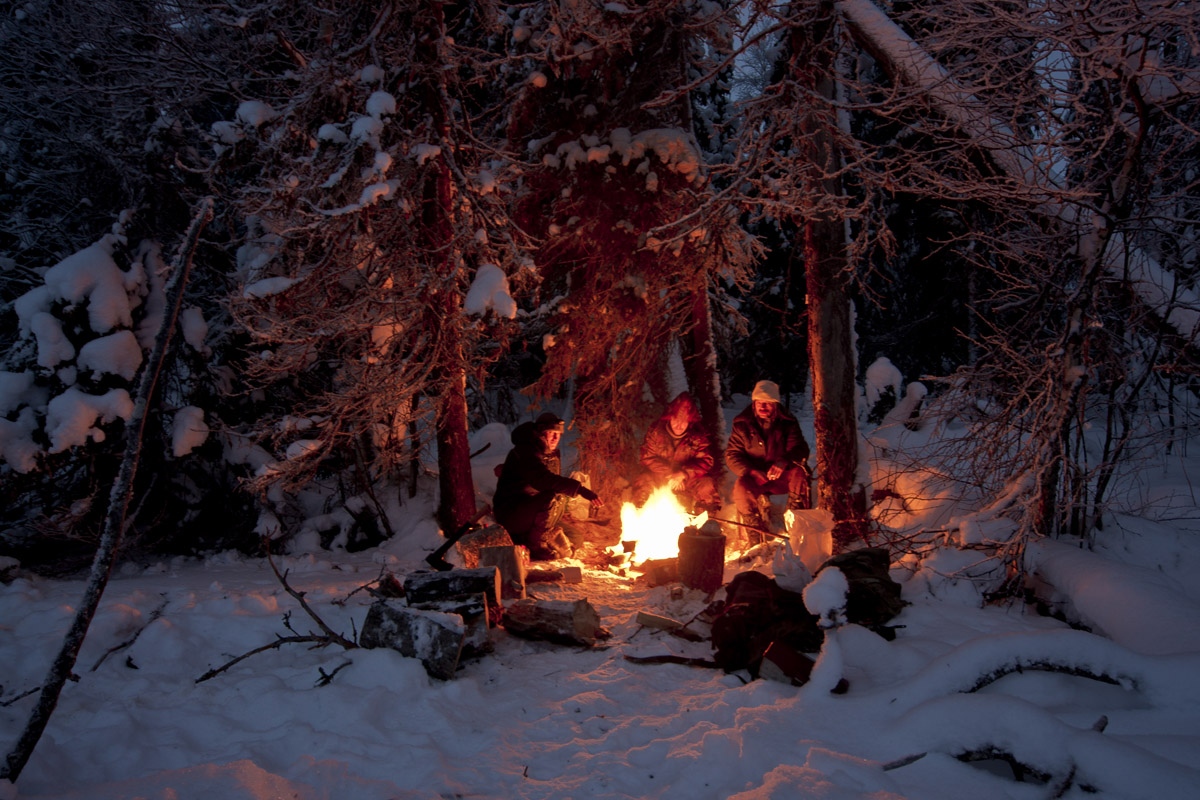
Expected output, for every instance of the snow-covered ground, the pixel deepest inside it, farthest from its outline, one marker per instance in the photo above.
(538, 720)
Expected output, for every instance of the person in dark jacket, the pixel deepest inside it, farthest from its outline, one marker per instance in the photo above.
(768, 454)
(531, 494)
(678, 453)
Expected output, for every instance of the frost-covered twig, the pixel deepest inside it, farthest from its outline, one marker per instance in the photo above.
(279, 642)
(327, 637)
(332, 635)
(155, 614)
(11, 700)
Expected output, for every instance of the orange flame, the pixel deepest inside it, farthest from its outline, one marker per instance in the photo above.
(655, 527)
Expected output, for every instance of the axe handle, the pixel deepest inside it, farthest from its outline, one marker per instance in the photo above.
(462, 530)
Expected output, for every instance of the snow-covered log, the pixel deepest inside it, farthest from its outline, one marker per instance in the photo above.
(434, 637)
(422, 587)
(1039, 741)
(1133, 606)
(979, 662)
(474, 612)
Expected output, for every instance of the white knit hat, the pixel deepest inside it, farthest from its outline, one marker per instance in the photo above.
(765, 390)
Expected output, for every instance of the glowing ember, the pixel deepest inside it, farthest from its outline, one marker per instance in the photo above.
(655, 527)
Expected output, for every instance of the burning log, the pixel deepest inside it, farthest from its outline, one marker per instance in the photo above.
(562, 621)
(652, 530)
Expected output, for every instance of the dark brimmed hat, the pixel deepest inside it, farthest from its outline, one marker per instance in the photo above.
(548, 422)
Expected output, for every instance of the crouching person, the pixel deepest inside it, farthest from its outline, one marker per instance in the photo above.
(531, 494)
(768, 454)
(677, 453)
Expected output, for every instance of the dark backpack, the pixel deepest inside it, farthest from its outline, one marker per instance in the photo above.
(757, 611)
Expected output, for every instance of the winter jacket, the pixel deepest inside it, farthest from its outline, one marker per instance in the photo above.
(664, 453)
(750, 448)
(529, 471)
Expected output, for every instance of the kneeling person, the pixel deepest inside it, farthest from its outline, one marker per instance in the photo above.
(531, 494)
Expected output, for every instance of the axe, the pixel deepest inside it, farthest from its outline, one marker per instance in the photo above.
(437, 559)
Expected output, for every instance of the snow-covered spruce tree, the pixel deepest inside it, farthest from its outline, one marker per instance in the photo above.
(65, 392)
(107, 107)
(1058, 133)
(631, 235)
(380, 202)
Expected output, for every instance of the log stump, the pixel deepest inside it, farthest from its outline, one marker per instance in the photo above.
(702, 557)
(512, 562)
(473, 609)
(469, 545)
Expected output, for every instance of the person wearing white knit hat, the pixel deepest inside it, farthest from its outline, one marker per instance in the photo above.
(769, 455)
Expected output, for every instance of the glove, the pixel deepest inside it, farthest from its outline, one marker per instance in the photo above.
(588, 494)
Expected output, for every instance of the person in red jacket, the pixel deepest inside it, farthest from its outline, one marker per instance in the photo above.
(531, 494)
(678, 453)
(768, 454)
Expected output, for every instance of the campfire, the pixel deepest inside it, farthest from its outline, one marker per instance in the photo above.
(652, 531)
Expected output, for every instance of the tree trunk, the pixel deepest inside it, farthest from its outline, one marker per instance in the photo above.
(700, 367)
(830, 330)
(456, 498)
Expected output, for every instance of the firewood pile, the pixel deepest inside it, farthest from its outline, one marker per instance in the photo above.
(445, 616)
(756, 625)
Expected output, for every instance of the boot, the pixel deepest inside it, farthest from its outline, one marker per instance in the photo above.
(754, 535)
(797, 503)
(549, 545)
(561, 544)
